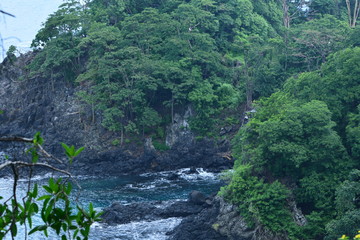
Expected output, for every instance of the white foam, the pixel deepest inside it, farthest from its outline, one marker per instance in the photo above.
(143, 230)
(199, 174)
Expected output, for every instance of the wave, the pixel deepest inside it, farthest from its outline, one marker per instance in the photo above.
(142, 230)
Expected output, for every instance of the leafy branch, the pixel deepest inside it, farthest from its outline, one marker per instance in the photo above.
(54, 207)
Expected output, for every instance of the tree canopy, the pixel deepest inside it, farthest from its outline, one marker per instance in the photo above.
(295, 62)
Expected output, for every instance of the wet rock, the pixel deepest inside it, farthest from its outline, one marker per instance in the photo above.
(230, 223)
(198, 227)
(173, 176)
(221, 221)
(120, 214)
(197, 198)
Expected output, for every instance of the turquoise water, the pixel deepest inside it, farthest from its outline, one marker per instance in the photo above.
(148, 187)
(102, 192)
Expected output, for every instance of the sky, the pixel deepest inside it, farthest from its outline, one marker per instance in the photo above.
(29, 15)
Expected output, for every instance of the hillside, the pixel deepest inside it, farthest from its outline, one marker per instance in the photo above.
(279, 79)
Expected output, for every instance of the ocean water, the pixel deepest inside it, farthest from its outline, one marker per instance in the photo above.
(102, 192)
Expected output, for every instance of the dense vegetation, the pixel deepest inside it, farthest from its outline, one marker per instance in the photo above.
(140, 61)
(302, 146)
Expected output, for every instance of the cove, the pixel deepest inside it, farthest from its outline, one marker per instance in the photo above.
(162, 187)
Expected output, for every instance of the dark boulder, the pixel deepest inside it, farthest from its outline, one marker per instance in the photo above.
(197, 198)
(199, 226)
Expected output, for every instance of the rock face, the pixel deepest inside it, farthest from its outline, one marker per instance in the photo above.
(179, 131)
(204, 217)
(53, 108)
(229, 222)
(148, 211)
(219, 221)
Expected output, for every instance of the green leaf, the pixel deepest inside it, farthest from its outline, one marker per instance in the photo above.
(75, 232)
(35, 229)
(48, 189)
(91, 208)
(45, 196)
(35, 191)
(68, 188)
(13, 230)
(29, 221)
(35, 207)
(38, 139)
(77, 152)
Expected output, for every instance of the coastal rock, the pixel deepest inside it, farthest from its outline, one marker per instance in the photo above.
(119, 213)
(230, 223)
(199, 226)
(221, 221)
(197, 198)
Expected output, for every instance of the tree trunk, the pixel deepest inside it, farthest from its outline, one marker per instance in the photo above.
(353, 12)
(122, 136)
(93, 113)
(172, 108)
(286, 16)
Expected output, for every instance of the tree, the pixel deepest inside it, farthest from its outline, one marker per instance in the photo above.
(353, 8)
(353, 134)
(313, 41)
(335, 83)
(61, 34)
(347, 206)
(294, 143)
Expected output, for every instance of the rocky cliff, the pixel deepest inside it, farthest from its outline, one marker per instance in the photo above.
(51, 106)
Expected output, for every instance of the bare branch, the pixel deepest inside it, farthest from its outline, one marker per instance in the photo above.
(29, 140)
(48, 155)
(20, 163)
(15, 139)
(6, 13)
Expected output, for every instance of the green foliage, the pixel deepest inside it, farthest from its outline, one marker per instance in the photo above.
(115, 142)
(63, 220)
(10, 54)
(138, 57)
(353, 134)
(71, 152)
(347, 206)
(327, 36)
(160, 146)
(260, 202)
(336, 84)
(307, 137)
(54, 206)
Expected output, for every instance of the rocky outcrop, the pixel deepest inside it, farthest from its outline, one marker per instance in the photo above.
(179, 130)
(51, 106)
(230, 223)
(119, 213)
(204, 217)
(220, 221)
